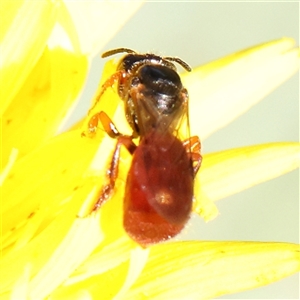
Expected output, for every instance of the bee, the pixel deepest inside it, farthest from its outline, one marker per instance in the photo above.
(160, 184)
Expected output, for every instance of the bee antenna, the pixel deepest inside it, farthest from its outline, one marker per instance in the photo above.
(115, 51)
(180, 62)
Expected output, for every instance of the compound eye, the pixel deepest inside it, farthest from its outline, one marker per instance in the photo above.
(130, 60)
(160, 79)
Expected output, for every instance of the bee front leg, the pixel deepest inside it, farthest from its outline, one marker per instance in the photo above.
(119, 77)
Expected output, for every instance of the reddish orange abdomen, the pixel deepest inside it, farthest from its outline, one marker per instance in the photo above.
(159, 189)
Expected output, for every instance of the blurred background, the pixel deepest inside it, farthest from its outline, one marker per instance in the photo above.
(199, 32)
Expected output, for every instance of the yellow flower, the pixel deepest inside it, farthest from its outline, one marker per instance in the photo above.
(51, 246)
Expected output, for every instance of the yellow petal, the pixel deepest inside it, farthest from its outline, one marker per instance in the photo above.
(202, 270)
(22, 41)
(203, 205)
(7, 167)
(224, 89)
(53, 255)
(107, 257)
(97, 22)
(53, 182)
(37, 251)
(107, 285)
(53, 174)
(104, 286)
(49, 195)
(46, 178)
(38, 109)
(21, 286)
(82, 238)
(228, 172)
(137, 262)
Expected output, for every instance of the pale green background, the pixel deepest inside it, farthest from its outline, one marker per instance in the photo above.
(199, 32)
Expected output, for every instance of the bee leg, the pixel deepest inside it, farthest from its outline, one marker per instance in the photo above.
(92, 125)
(193, 148)
(112, 173)
(118, 77)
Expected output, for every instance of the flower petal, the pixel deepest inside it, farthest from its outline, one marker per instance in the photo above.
(47, 179)
(201, 270)
(78, 243)
(6, 168)
(228, 172)
(103, 259)
(53, 255)
(38, 109)
(137, 262)
(104, 286)
(97, 22)
(22, 41)
(70, 163)
(97, 280)
(32, 216)
(224, 89)
(31, 210)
